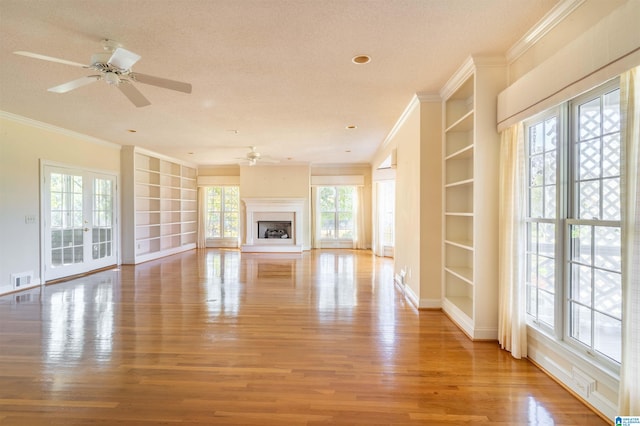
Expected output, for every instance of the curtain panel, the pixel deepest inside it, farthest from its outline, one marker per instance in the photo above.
(202, 217)
(629, 392)
(512, 327)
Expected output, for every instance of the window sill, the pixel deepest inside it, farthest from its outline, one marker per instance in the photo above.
(541, 334)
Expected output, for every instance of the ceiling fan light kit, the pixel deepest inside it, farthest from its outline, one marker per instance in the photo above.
(114, 67)
(253, 157)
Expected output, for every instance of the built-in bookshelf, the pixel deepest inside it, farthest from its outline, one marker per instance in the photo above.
(470, 177)
(159, 205)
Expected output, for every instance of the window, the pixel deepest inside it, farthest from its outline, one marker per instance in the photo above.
(573, 247)
(223, 205)
(337, 205)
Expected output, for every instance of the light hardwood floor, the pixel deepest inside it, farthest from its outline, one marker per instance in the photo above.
(219, 337)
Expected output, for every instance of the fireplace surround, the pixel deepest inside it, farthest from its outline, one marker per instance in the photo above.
(273, 225)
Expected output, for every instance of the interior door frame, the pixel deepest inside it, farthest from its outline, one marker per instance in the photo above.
(43, 213)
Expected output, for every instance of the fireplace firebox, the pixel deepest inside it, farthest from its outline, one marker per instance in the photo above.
(271, 229)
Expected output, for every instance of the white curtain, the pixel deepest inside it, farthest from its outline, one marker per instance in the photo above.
(202, 217)
(512, 329)
(359, 239)
(629, 393)
(315, 228)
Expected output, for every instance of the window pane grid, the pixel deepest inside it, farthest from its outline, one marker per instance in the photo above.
(593, 230)
(336, 208)
(542, 171)
(66, 206)
(582, 183)
(102, 218)
(540, 271)
(223, 204)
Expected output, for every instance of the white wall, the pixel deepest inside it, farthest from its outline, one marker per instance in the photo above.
(407, 229)
(23, 144)
(431, 203)
(417, 139)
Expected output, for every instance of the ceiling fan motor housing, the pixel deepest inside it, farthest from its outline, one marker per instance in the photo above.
(100, 58)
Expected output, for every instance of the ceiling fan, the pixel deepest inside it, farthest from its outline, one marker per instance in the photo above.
(114, 67)
(253, 157)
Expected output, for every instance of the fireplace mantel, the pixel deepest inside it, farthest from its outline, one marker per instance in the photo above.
(273, 209)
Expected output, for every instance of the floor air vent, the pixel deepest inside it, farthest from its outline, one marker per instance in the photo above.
(21, 280)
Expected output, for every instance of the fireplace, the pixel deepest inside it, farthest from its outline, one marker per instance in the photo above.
(273, 225)
(269, 229)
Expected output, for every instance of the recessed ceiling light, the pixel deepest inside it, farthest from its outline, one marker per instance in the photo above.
(131, 130)
(352, 126)
(348, 150)
(361, 59)
(190, 153)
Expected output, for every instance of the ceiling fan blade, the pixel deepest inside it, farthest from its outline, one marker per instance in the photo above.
(50, 59)
(123, 59)
(161, 82)
(133, 94)
(74, 84)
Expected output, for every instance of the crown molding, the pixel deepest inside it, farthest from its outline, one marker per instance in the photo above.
(554, 17)
(413, 103)
(416, 99)
(426, 97)
(55, 129)
(466, 70)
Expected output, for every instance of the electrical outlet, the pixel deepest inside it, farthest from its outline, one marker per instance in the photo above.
(30, 219)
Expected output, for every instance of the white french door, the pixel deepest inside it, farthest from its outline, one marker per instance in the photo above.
(78, 221)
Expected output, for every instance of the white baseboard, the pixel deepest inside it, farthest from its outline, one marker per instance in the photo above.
(430, 303)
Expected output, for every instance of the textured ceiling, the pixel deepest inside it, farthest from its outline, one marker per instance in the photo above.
(273, 74)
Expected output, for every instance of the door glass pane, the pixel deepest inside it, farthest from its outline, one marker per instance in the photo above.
(102, 217)
(67, 239)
